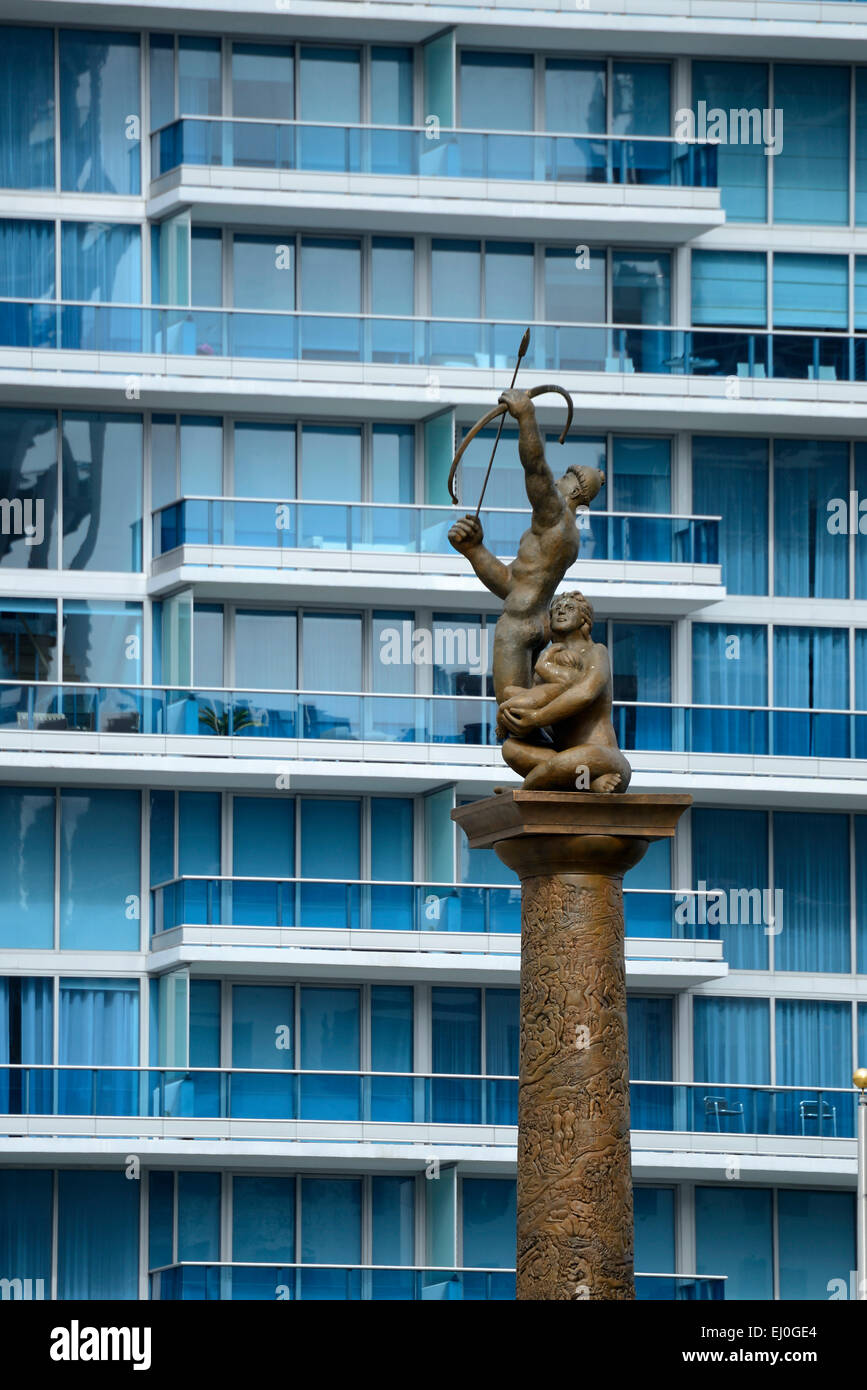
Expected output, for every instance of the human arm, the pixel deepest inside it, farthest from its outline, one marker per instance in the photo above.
(521, 718)
(542, 492)
(466, 537)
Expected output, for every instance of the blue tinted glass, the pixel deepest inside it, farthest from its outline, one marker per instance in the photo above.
(264, 459)
(263, 81)
(391, 1019)
(162, 79)
(456, 290)
(199, 832)
(28, 474)
(811, 170)
(100, 151)
(391, 71)
(102, 644)
(734, 1236)
(205, 1023)
(392, 276)
(650, 1038)
(207, 267)
(861, 145)
(201, 455)
(28, 640)
(488, 1223)
(263, 1220)
(814, 1041)
(730, 479)
(729, 664)
(331, 85)
(456, 1024)
(509, 292)
(811, 291)
(811, 868)
(162, 836)
(575, 96)
(101, 262)
(393, 1204)
(263, 837)
(199, 76)
(331, 463)
(330, 1021)
(264, 276)
(161, 1218)
(654, 1230)
(102, 493)
(642, 477)
(641, 287)
(730, 852)
(263, 1023)
(393, 464)
(501, 1032)
(27, 868)
(99, 1021)
(198, 1216)
(810, 561)
(331, 1220)
(641, 99)
(330, 275)
(730, 287)
(265, 643)
(98, 1235)
(816, 1241)
(391, 837)
(100, 873)
(27, 85)
(26, 259)
(331, 651)
(572, 295)
(811, 667)
(731, 1041)
(742, 166)
(642, 661)
(496, 91)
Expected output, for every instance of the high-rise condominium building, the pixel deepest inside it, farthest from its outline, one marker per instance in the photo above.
(262, 265)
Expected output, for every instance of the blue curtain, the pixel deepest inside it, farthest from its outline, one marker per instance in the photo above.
(860, 541)
(27, 108)
(26, 868)
(811, 171)
(816, 1241)
(488, 1225)
(654, 1230)
(729, 668)
(26, 260)
(650, 913)
(330, 1041)
(205, 1023)
(101, 263)
(730, 853)
(26, 1036)
(99, 1027)
(731, 288)
(501, 1053)
(730, 480)
(162, 836)
(734, 1237)
(99, 91)
(814, 1049)
(809, 561)
(456, 1045)
(263, 1219)
(26, 1201)
(731, 1041)
(811, 672)
(263, 837)
(100, 870)
(391, 837)
(641, 660)
(642, 483)
(98, 1235)
(861, 896)
(742, 170)
(330, 849)
(811, 867)
(198, 1216)
(199, 818)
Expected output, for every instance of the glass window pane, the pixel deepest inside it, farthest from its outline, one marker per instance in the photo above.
(27, 869)
(391, 647)
(817, 1241)
(97, 1236)
(102, 642)
(496, 91)
(261, 1016)
(642, 477)
(572, 295)
(199, 833)
(99, 91)
(264, 460)
(730, 287)
(509, 292)
(261, 281)
(742, 168)
(26, 258)
(263, 81)
(208, 646)
(164, 460)
(651, 1041)
(201, 456)
(331, 463)
(641, 287)
(330, 275)
(331, 85)
(393, 464)
(489, 1217)
(730, 478)
(199, 76)
(391, 76)
(102, 492)
(28, 640)
(731, 1041)
(205, 1023)
(100, 878)
(263, 837)
(654, 1230)
(811, 170)
(392, 274)
(811, 291)
(811, 870)
(641, 99)
(162, 79)
(730, 853)
(501, 1032)
(456, 290)
(198, 1216)
(393, 1203)
(162, 836)
(391, 819)
(28, 478)
(456, 1031)
(734, 1236)
(810, 561)
(331, 651)
(266, 644)
(813, 1038)
(101, 262)
(330, 1024)
(207, 267)
(27, 85)
(263, 1220)
(330, 838)
(391, 1018)
(811, 667)
(331, 1221)
(575, 96)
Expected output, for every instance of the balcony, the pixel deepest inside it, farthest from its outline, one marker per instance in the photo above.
(43, 715)
(226, 169)
(211, 336)
(360, 1283)
(726, 1112)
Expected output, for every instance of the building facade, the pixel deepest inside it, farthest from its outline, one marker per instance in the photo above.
(261, 267)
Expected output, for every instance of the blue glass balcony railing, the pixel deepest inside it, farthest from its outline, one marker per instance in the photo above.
(400, 1284)
(706, 1108)
(212, 1093)
(337, 1283)
(294, 336)
(46, 707)
(328, 904)
(417, 152)
(414, 530)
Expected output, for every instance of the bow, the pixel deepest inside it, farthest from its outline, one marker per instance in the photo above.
(492, 415)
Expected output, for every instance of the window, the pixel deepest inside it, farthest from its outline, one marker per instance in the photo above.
(100, 910)
(730, 476)
(263, 1221)
(263, 81)
(811, 672)
(811, 868)
(729, 669)
(729, 854)
(575, 96)
(731, 1043)
(811, 171)
(100, 152)
(199, 815)
(823, 1224)
(98, 1235)
(497, 91)
(26, 259)
(27, 110)
(641, 661)
(650, 1034)
(391, 78)
(102, 492)
(572, 295)
(28, 477)
(654, 1230)
(730, 287)
(264, 459)
(742, 169)
(260, 279)
(102, 642)
(641, 101)
(488, 1228)
(199, 76)
(734, 1236)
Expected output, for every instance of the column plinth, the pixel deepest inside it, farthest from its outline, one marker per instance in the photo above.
(570, 851)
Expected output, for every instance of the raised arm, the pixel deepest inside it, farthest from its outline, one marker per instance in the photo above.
(466, 537)
(542, 492)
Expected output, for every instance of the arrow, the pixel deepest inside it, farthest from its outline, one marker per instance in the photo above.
(525, 343)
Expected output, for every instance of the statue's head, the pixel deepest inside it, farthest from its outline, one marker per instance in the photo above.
(571, 613)
(580, 484)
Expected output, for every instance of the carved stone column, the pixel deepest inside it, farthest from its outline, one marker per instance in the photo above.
(570, 851)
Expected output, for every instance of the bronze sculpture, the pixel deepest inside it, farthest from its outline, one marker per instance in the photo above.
(570, 842)
(554, 705)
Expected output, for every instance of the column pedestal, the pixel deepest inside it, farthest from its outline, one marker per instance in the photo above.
(570, 851)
